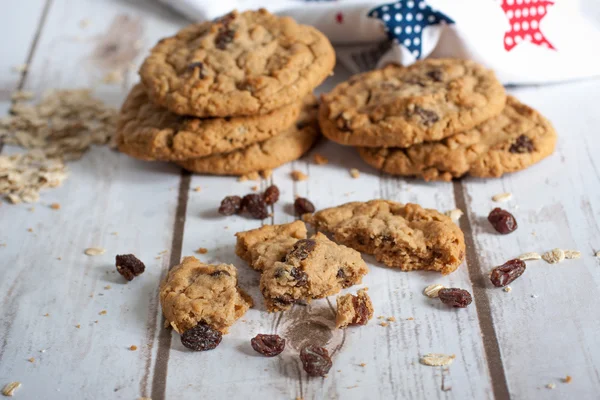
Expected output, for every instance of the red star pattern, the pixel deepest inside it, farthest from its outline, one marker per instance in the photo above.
(525, 17)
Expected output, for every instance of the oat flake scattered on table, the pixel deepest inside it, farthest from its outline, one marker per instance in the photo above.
(61, 127)
(437, 359)
(554, 256)
(572, 254)
(432, 291)
(529, 256)
(94, 251)
(454, 214)
(10, 388)
(500, 197)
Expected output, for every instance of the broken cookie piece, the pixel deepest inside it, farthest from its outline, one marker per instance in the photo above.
(194, 293)
(264, 246)
(313, 269)
(353, 310)
(404, 236)
(129, 266)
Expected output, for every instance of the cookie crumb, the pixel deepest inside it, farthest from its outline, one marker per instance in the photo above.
(10, 388)
(78, 326)
(202, 250)
(133, 347)
(410, 319)
(354, 173)
(320, 160)
(115, 76)
(597, 254)
(115, 233)
(362, 365)
(455, 214)
(197, 189)
(507, 289)
(568, 379)
(383, 323)
(432, 291)
(553, 256)
(55, 206)
(572, 254)
(20, 68)
(266, 174)
(21, 95)
(500, 197)
(94, 251)
(84, 23)
(437, 359)
(29, 229)
(31, 360)
(551, 385)
(391, 319)
(254, 188)
(103, 312)
(298, 175)
(530, 256)
(46, 315)
(252, 176)
(107, 287)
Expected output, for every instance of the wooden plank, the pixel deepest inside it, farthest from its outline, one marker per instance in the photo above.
(546, 325)
(106, 192)
(391, 354)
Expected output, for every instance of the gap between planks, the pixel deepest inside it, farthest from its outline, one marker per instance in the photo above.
(491, 345)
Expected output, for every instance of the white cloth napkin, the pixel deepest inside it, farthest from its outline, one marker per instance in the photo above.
(524, 41)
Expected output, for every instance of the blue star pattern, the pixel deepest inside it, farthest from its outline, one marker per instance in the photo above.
(405, 20)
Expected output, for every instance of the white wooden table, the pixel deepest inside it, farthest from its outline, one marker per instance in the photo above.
(506, 344)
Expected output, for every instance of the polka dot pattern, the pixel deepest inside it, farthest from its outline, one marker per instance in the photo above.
(524, 17)
(404, 21)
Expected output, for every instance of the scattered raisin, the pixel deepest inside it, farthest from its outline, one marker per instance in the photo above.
(301, 125)
(303, 206)
(201, 337)
(299, 276)
(255, 205)
(315, 360)
(502, 221)
(230, 205)
(271, 195)
(268, 345)
(507, 272)
(428, 117)
(523, 144)
(302, 249)
(340, 274)
(455, 297)
(129, 266)
(197, 64)
(224, 37)
(436, 74)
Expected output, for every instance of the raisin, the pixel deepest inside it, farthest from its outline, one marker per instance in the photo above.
(271, 195)
(219, 273)
(197, 64)
(315, 360)
(522, 145)
(507, 272)
(255, 205)
(268, 345)
(285, 300)
(340, 274)
(303, 206)
(361, 311)
(129, 266)
(428, 117)
(436, 74)
(302, 249)
(299, 276)
(224, 37)
(455, 297)
(502, 221)
(301, 125)
(201, 337)
(230, 205)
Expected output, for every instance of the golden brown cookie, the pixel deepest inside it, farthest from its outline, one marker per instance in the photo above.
(512, 141)
(278, 150)
(194, 293)
(149, 132)
(402, 106)
(402, 236)
(240, 64)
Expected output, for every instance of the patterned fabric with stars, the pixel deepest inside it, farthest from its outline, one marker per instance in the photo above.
(405, 20)
(524, 17)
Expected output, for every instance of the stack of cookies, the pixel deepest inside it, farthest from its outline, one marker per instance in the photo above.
(436, 119)
(230, 96)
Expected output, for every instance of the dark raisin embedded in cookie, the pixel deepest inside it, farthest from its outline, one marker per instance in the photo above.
(299, 276)
(129, 266)
(220, 272)
(202, 337)
(268, 345)
(302, 249)
(315, 360)
(523, 144)
(197, 65)
(428, 117)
